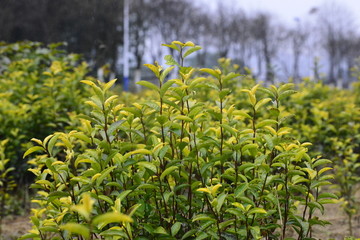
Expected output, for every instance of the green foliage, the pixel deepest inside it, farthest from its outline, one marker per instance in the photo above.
(7, 183)
(39, 91)
(330, 119)
(177, 165)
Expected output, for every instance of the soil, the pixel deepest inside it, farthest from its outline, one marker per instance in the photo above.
(15, 226)
(339, 228)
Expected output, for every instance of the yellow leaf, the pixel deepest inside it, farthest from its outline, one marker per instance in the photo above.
(56, 67)
(291, 146)
(324, 170)
(238, 205)
(86, 207)
(77, 228)
(57, 163)
(138, 151)
(215, 188)
(305, 144)
(109, 84)
(312, 173)
(154, 69)
(90, 83)
(204, 190)
(271, 129)
(177, 42)
(95, 176)
(253, 90)
(111, 217)
(252, 96)
(189, 44)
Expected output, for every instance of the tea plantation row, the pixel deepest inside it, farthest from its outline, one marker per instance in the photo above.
(208, 155)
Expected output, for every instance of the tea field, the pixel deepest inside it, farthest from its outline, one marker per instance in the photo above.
(210, 154)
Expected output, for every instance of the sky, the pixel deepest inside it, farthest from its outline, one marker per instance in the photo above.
(292, 12)
(289, 10)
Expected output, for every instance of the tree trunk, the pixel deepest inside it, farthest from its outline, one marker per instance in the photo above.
(137, 78)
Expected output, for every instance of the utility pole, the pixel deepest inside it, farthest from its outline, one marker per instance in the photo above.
(126, 46)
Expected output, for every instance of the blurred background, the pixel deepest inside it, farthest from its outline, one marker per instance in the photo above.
(276, 39)
(302, 41)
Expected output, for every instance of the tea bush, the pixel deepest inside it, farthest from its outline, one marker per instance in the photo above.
(7, 183)
(180, 164)
(39, 88)
(330, 119)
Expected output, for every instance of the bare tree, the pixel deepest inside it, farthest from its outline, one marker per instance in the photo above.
(268, 38)
(298, 37)
(223, 19)
(241, 38)
(140, 22)
(335, 24)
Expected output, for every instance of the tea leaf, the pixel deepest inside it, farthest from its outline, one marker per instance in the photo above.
(76, 228)
(165, 87)
(148, 165)
(33, 149)
(257, 210)
(109, 84)
(111, 217)
(168, 171)
(104, 174)
(160, 230)
(173, 46)
(78, 135)
(262, 102)
(106, 199)
(175, 228)
(202, 217)
(154, 69)
(191, 50)
(212, 72)
(164, 73)
(171, 61)
(149, 85)
(266, 122)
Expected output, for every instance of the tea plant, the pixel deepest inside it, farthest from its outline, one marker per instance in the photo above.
(7, 183)
(176, 166)
(330, 119)
(39, 87)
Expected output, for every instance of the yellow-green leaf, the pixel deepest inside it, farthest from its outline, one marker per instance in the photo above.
(160, 230)
(321, 171)
(138, 151)
(191, 50)
(183, 118)
(257, 210)
(148, 165)
(164, 73)
(206, 190)
(154, 69)
(77, 228)
(251, 95)
(262, 102)
(175, 228)
(85, 207)
(215, 188)
(109, 84)
(104, 174)
(111, 217)
(33, 149)
(167, 172)
(149, 85)
(312, 173)
(211, 72)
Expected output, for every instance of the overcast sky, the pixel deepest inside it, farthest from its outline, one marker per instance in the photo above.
(288, 10)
